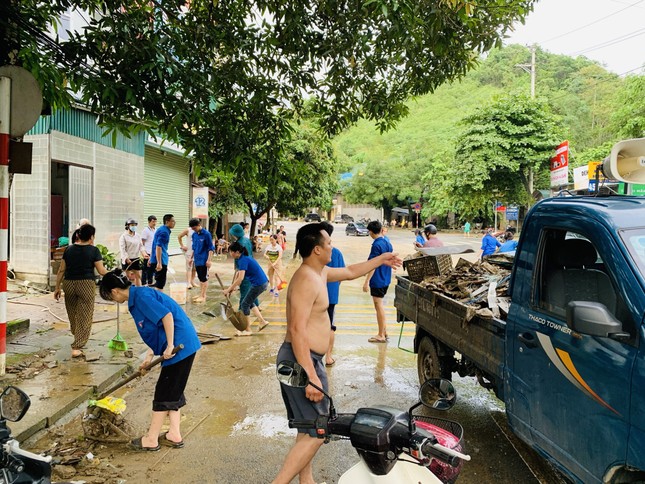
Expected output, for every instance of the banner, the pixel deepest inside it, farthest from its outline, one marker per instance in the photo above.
(560, 165)
(580, 178)
(200, 202)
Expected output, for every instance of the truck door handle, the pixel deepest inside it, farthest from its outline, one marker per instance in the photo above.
(528, 339)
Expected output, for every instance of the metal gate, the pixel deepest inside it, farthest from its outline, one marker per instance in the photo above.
(80, 195)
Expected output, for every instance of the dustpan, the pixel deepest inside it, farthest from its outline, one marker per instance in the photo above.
(118, 343)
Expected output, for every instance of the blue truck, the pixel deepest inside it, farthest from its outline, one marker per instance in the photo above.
(568, 360)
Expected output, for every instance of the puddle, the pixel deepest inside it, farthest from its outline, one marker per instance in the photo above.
(265, 425)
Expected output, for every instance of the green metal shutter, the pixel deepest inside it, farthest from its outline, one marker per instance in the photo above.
(166, 190)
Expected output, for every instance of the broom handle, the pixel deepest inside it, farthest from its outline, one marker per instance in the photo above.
(228, 299)
(138, 373)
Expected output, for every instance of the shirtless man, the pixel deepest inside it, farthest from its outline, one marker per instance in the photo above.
(307, 339)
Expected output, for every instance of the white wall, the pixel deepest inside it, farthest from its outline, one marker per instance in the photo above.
(117, 193)
(29, 217)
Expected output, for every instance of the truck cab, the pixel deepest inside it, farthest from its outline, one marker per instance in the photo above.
(574, 359)
(568, 357)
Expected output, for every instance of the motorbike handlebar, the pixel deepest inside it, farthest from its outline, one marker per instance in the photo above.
(442, 452)
(302, 424)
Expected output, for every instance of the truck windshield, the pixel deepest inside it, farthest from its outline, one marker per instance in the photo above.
(635, 241)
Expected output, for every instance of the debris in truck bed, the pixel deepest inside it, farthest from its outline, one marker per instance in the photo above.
(482, 286)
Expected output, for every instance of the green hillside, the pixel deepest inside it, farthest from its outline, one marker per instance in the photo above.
(417, 161)
(430, 126)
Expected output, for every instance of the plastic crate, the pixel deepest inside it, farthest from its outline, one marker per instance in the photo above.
(429, 265)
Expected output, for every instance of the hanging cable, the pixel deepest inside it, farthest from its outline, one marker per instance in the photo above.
(591, 23)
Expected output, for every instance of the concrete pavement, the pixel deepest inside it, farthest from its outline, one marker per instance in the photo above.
(39, 360)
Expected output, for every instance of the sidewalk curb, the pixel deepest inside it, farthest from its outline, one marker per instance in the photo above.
(61, 412)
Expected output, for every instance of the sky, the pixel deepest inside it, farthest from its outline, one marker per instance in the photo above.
(609, 31)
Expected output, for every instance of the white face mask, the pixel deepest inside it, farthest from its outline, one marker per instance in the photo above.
(133, 228)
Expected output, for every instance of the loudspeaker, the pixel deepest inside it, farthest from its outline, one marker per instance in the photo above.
(626, 162)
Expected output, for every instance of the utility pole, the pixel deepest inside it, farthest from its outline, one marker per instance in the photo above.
(530, 68)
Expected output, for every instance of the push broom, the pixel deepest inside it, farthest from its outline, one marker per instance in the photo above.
(118, 343)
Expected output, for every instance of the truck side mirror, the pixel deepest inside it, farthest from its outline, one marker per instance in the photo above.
(594, 319)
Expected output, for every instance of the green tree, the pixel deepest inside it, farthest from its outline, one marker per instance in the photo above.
(304, 176)
(629, 118)
(387, 184)
(499, 152)
(223, 78)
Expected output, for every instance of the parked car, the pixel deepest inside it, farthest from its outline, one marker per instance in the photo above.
(343, 219)
(355, 228)
(312, 217)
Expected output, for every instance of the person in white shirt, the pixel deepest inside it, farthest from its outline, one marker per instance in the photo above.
(132, 251)
(187, 248)
(147, 236)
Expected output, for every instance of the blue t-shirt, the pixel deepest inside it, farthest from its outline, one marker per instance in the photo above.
(248, 245)
(148, 307)
(489, 244)
(253, 271)
(202, 245)
(383, 274)
(162, 239)
(333, 288)
(508, 246)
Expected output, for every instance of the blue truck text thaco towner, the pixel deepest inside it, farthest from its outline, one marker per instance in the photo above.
(569, 360)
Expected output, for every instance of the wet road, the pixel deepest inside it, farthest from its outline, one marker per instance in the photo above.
(235, 426)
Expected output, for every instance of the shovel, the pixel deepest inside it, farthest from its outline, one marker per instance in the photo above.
(228, 313)
(137, 374)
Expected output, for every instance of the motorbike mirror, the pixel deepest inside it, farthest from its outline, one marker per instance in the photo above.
(14, 403)
(290, 373)
(438, 393)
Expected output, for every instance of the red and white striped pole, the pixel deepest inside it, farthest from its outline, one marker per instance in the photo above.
(5, 118)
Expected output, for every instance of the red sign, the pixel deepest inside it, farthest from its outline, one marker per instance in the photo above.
(560, 165)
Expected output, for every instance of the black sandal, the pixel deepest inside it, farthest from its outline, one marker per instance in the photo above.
(175, 445)
(136, 444)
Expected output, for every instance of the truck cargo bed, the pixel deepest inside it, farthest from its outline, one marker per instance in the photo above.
(480, 340)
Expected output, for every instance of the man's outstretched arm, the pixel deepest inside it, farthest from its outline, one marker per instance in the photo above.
(354, 271)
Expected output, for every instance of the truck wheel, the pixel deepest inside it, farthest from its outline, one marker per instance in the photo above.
(428, 364)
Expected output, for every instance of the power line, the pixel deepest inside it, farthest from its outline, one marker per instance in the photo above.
(610, 42)
(591, 23)
(600, 81)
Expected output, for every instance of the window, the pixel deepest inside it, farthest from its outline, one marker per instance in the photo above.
(634, 240)
(571, 269)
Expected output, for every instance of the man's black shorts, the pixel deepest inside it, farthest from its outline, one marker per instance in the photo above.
(378, 291)
(160, 277)
(331, 310)
(297, 404)
(202, 273)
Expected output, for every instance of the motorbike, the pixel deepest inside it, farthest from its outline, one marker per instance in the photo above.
(18, 466)
(394, 446)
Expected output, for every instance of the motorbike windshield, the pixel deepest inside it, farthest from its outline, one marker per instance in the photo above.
(634, 240)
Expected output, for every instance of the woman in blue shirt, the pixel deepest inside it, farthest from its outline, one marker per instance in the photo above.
(510, 245)
(162, 325)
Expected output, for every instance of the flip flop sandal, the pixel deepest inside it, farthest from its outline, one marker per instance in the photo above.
(170, 443)
(263, 326)
(374, 339)
(137, 445)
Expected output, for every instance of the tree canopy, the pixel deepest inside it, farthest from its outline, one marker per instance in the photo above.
(303, 176)
(500, 150)
(223, 78)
